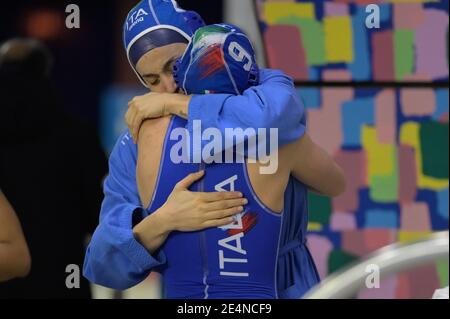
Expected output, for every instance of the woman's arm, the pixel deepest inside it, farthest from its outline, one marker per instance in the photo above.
(114, 257)
(15, 260)
(183, 210)
(272, 104)
(188, 211)
(125, 246)
(315, 168)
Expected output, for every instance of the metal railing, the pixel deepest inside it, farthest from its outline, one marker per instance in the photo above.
(389, 260)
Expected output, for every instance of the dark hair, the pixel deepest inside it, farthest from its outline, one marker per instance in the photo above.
(25, 56)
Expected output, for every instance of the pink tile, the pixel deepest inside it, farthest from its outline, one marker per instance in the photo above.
(364, 242)
(386, 116)
(385, 291)
(336, 75)
(324, 123)
(403, 290)
(418, 102)
(342, 221)
(408, 15)
(378, 238)
(431, 51)
(407, 174)
(383, 56)
(320, 248)
(353, 242)
(335, 9)
(422, 282)
(415, 217)
(286, 55)
(354, 164)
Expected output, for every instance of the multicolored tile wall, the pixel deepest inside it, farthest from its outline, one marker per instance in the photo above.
(391, 137)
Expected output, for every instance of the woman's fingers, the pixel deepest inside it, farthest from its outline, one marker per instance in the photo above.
(186, 182)
(134, 117)
(224, 213)
(130, 116)
(218, 222)
(135, 126)
(150, 105)
(218, 196)
(225, 204)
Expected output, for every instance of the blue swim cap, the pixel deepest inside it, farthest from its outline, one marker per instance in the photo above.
(155, 23)
(219, 59)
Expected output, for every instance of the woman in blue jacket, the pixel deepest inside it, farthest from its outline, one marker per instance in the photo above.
(117, 258)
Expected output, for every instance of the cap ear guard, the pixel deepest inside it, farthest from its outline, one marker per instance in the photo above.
(253, 75)
(177, 77)
(175, 69)
(193, 20)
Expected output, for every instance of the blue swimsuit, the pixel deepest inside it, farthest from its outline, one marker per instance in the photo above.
(235, 261)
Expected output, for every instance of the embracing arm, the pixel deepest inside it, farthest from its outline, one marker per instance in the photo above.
(115, 258)
(315, 168)
(15, 260)
(184, 210)
(125, 247)
(272, 104)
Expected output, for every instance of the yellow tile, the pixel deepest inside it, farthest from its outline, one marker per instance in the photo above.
(314, 227)
(380, 157)
(273, 11)
(338, 39)
(410, 236)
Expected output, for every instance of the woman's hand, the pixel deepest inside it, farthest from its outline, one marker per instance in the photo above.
(188, 211)
(150, 105)
(153, 105)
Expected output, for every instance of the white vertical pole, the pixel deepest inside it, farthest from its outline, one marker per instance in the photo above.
(242, 13)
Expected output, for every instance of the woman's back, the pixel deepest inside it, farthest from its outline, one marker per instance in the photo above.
(235, 261)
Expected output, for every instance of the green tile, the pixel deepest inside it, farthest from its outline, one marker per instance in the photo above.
(442, 270)
(404, 53)
(434, 147)
(319, 208)
(339, 259)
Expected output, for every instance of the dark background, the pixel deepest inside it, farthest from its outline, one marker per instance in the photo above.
(89, 59)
